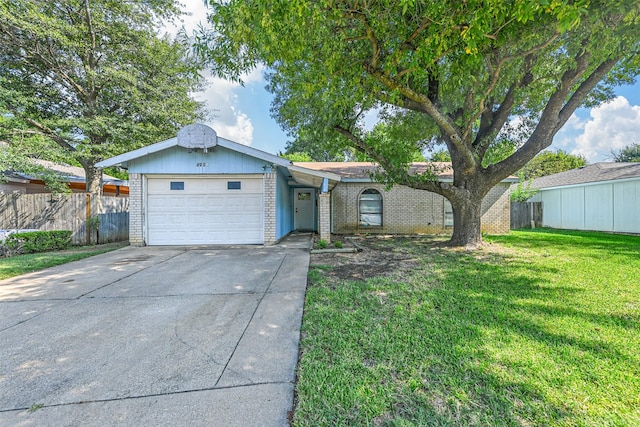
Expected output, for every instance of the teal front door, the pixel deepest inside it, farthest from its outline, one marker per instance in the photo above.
(304, 203)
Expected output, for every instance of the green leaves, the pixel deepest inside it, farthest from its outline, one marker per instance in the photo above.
(94, 77)
(459, 72)
(549, 162)
(452, 62)
(630, 153)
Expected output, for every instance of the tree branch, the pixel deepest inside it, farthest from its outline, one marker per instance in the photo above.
(400, 176)
(583, 90)
(44, 130)
(370, 35)
(557, 111)
(443, 122)
(408, 43)
(506, 106)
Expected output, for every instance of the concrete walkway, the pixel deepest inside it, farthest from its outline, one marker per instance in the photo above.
(155, 336)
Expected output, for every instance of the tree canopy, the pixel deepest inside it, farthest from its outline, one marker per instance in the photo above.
(318, 149)
(630, 153)
(469, 75)
(94, 77)
(550, 162)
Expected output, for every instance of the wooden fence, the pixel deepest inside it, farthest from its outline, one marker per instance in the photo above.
(523, 213)
(68, 212)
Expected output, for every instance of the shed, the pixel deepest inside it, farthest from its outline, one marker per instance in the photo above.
(600, 197)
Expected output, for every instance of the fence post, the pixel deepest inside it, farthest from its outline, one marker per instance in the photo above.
(533, 218)
(88, 218)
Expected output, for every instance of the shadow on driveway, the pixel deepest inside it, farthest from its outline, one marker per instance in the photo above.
(155, 336)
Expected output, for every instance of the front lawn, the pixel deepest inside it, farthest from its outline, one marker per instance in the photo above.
(22, 264)
(539, 328)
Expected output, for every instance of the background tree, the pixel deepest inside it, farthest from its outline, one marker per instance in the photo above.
(461, 72)
(93, 76)
(550, 162)
(318, 149)
(630, 153)
(440, 155)
(296, 156)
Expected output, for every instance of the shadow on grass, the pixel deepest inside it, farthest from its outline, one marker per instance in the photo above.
(460, 341)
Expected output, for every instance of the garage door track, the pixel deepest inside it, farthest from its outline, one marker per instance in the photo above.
(155, 336)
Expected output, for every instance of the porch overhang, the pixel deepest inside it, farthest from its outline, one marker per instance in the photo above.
(312, 178)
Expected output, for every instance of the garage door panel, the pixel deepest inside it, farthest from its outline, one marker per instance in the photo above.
(205, 211)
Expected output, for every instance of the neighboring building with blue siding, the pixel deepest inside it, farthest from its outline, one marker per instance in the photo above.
(600, 197)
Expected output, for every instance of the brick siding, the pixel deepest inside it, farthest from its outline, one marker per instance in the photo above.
(136, 210)
(496, 210)
(269, 208)
(324, 216)
(409, 211)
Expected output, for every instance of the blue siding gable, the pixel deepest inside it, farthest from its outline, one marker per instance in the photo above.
(178, 160)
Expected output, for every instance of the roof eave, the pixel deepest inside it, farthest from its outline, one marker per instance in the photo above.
(587, 183)
(253, 152)
(123, 159)
(313, 177)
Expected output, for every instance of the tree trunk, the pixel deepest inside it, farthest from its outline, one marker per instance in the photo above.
(93, 179)
(467, 213)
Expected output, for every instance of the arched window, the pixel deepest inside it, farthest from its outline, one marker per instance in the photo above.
(370, 205)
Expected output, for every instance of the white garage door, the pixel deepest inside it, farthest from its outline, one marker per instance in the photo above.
(192, 211)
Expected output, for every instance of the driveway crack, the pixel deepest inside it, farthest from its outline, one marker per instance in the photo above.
(129, 275)
(176, 333)
(255, 310)
(38, 406)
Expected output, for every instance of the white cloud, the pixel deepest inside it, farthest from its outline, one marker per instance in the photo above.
(220, 96)
(196, 14)
(565, 139)
(611, 126)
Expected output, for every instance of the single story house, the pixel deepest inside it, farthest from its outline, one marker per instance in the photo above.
(599, 197)
(19, 182)
(198, 188)
(360, 205)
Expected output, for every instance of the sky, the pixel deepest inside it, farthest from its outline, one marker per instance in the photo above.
(242, 113)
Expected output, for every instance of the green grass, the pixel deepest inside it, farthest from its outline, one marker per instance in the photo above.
(22, 264)
(540, 328)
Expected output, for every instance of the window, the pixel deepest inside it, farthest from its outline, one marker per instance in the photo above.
(304, 196)
(448, 214)
(234, 185)
(370, 208)
(177, 185)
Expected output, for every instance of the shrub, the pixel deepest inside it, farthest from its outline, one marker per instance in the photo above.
(523, 190)
(322, 244)
(338, 245)
(37, 241)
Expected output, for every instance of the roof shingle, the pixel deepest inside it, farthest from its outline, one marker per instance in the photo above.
(597, 172)
(362, 170)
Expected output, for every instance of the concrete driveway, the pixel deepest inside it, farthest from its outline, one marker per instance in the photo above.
(155, 336)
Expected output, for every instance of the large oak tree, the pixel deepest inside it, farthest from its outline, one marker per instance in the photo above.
(464, 73)
(93, 76)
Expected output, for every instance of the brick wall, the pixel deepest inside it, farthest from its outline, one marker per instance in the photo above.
(496, 210)
(136, 210)
(409, 211)
(269, 208)
(324, 214)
